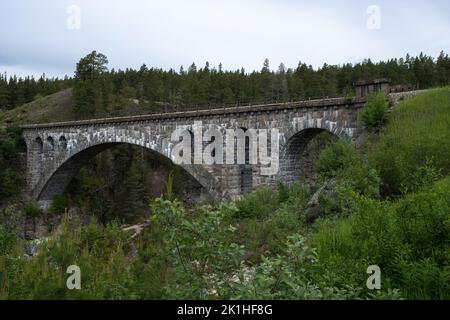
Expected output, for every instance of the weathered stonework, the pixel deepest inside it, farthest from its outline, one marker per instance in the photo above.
(56, 151)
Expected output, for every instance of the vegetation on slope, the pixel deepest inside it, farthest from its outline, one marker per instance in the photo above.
(11, 178)
(52, 108)
(416, 137)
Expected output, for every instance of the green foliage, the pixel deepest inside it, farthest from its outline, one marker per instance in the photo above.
(100, 92)
(169, 186)
(258, 204)
(361, 178)
(294, 275)
(261, 233)
(203, 252)
(133, 191)
(16, 91)
(99, 252)
(374, 115)
(423, 177)
(423, 220)
(425, 280)
(9, 185)
(11, 143)
(60, 204)
(32, 209)
(416, 138)
(90, 84)
(210, 254)
(8, 240)
(396, 236)
(336, 157)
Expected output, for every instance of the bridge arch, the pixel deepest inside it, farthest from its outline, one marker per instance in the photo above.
(69, 163)
(62, 143)
(37, 146)
(292, 160)
(50, 144)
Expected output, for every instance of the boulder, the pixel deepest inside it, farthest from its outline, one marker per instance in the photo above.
(314, 208)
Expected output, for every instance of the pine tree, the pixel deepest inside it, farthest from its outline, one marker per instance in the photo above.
(88, 83)
(133, 196)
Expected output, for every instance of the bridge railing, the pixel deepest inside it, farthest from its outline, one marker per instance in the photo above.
(147, 108)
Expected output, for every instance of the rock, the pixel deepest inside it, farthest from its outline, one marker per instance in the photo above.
(314, 208)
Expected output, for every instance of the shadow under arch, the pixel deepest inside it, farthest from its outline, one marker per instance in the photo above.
(292, 159)
(57, 182)
(246, 169)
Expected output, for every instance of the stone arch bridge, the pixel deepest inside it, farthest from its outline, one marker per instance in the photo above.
(56, 151)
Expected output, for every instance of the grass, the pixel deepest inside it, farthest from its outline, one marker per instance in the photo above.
(53, 108)
(417, 134)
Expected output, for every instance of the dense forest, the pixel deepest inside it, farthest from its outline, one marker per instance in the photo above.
(386, 202)
(16, 91)
(101, 91)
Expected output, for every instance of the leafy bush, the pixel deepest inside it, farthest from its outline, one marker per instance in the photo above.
(9, 183)
(11, 142)
(260, 204)
(425, 176)
(335, 158)
(394, 236)
(32, 209)
(60, 204)
(362, 179)
(203, 251)
(375, 112)
(7, 240)
(423, 221)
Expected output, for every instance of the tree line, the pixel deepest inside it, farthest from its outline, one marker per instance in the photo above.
(98, 90)
(16, 91)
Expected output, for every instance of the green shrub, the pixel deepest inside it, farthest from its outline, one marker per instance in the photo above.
(425, 176)
(413, 232)
(7, 240)
(11, 142)
(362, 179)
(258, 204)
(294, 274)
(60, 204)
(32, 209)
(423, 221)
(425, 280)
(335, 158)
(9, 183)
(375, 112)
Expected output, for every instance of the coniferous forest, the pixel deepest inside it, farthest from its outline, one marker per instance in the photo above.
(101, 91)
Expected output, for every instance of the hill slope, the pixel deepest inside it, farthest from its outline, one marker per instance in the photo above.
(56, 107)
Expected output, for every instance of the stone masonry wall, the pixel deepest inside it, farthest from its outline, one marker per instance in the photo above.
(56, 151)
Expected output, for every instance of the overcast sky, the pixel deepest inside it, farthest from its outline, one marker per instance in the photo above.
(44, 37)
